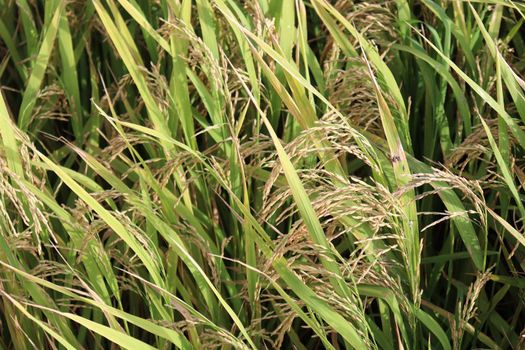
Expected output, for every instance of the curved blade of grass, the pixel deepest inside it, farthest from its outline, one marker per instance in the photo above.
(139, 17)
(29, 27)
(39, 69)
(344, 44)
(96, 261)
(148, 212)
(149, 326)
(177, 48)
(69, 74)
(41, 324)
(110, 220)
(515, 233)
(119, 338)
(245, 210)
(208, 26)
(36, 293)
(128, 57)
(334, 319)
(509, 76)
(466, 326)
(7, 38)
(310, 321)
(434, 327)
(389, 298)
(461, 100)
(511, 123)
(504, 168)
(9, 142)
(461, 220)
(174, 240)
(454, 29)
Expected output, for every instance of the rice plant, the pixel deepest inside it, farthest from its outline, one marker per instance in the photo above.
(262, 174)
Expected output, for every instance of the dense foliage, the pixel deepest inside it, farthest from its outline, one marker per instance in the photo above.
(262, 174)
